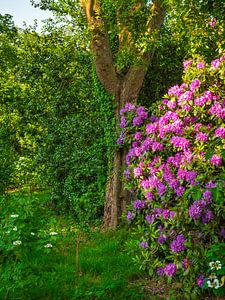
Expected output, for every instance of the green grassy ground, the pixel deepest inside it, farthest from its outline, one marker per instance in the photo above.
(79, 265)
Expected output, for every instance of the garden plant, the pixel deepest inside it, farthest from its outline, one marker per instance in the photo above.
(175, 168)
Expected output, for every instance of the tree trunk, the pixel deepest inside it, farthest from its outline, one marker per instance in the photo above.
(124, 89)
(117, 197)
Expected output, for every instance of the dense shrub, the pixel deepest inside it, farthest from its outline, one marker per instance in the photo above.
(175, 167)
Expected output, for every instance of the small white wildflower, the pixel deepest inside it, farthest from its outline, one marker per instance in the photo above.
(16, 243)
(218, 265)
(32, 233)
(14, 216)
(216, 283)
(14, 228)
(48, 246)
(53, 233)
(211, 264)
(215, 265)
(209, 284)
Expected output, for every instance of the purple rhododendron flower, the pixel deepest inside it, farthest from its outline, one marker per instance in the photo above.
(187, 64)
(180, 191)
(138, 136)
(138, 204)
(207, 216)
(153, 119)
(171, 104)
(130, 215)
(142, 112)
(161, 239)
(146, 145)
(200, 65)
(215, 64)
(129, 106)
(157, 212)
(211, 96)
(135, 144)
(161, 189)
(177, 245)
(220, 132)
(172, 214)
(196, 209)
(137, 121)
(211, 185)
(207, 195)
(166, 214)
(200, 280)
(180, 142)
(152, 128)
(138, 172)
(150, 219)
(127, 174)
(149, 196)
(186, 96)
(191, 175)
(123, 122)
(156, 146)
(170, 269)
(174, 184)
(119, 141)
(202, 137)
(213, 22)
(181, 174)
(195, 84)
(174, 91)
(137, 151)
(216, 160)
(200, 101)
(160, 271)
(144, 245)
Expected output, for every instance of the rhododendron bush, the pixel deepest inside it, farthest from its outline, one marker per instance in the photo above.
(175, 168)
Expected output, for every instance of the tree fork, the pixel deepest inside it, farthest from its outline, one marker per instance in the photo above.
(125, 89)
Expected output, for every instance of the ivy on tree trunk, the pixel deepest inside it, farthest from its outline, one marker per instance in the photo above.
(124, 85)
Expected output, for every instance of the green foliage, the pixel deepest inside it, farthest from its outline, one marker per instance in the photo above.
(52, 98)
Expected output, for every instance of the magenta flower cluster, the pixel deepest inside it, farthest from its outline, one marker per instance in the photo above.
(177, 245)
(173, 165)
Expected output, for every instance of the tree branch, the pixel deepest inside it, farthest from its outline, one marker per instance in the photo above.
(100, 46)
(157, 13)
(134, 78)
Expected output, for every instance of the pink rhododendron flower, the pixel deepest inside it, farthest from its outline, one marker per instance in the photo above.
(187, 64)
(213, 22)
(216, 160)
(195, 85)
(200, 65)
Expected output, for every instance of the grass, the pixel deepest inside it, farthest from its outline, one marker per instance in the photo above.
(80, 265)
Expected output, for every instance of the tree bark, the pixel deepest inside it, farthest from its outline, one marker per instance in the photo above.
(124, 89)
